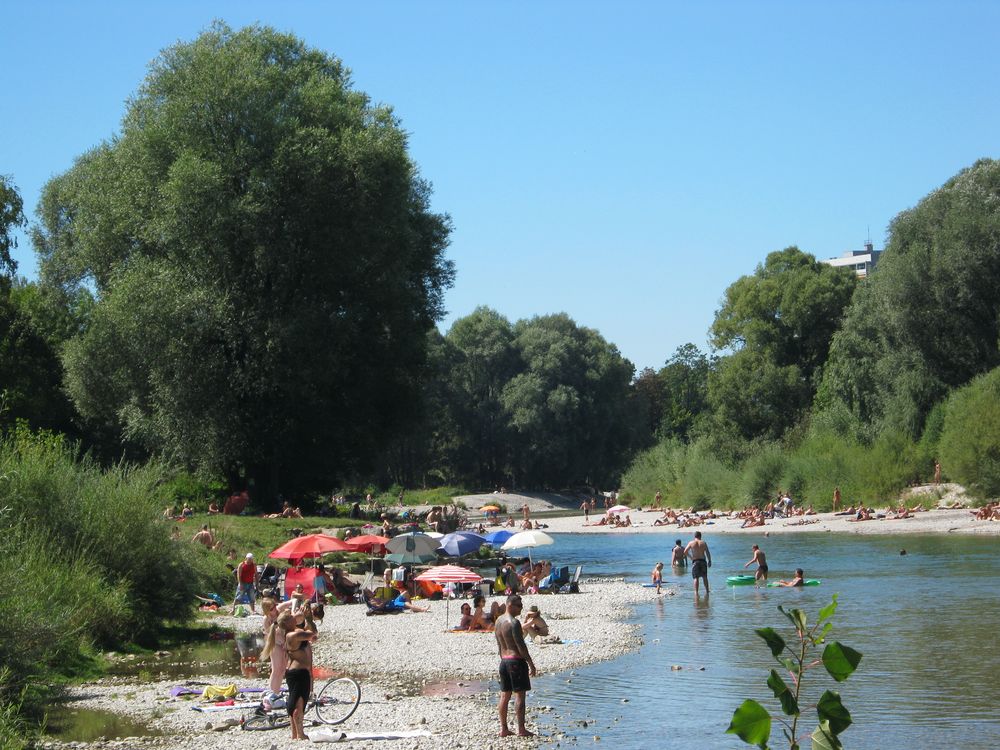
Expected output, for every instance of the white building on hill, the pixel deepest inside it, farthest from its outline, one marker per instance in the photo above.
(862, 262)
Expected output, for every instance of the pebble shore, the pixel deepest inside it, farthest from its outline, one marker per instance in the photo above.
(414, 675)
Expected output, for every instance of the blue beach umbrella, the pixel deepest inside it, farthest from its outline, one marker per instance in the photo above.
(497, 538)
(461, 543)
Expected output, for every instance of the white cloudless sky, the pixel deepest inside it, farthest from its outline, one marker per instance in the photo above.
(620, 162)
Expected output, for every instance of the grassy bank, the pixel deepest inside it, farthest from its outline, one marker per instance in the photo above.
(89, 565)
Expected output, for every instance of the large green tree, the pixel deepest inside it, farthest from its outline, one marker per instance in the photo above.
(30, 372)
(265, 261)
(684, 380)
(928, 318)
(486, 360)
(778, 323)
(569, 407)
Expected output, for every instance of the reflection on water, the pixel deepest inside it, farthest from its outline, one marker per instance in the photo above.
(926, 623)
(224, 654)
(72, 724)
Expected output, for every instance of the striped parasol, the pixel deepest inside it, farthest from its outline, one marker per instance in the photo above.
(449, 574)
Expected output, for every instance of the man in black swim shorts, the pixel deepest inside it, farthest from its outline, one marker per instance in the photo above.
(516, 666)
(701, 560)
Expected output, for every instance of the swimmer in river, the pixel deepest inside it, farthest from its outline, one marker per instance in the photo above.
(797, 581)
(761, 560)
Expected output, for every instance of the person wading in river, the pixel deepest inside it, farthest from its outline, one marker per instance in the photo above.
(701, 560)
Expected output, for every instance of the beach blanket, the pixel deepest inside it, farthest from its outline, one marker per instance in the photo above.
(178, 690)
(219, 692)
(335, 735)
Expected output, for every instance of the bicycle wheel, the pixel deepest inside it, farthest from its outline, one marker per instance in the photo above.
(264, 721)
(337, 701)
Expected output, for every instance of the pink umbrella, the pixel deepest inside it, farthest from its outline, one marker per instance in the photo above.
(619, 509)
(449, 574)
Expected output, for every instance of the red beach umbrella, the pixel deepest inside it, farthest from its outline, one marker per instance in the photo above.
(367, 543)
(310, 545)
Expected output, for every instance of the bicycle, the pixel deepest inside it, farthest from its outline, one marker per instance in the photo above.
(335, 703)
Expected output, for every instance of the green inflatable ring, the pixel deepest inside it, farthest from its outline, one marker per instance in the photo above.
(743, 580)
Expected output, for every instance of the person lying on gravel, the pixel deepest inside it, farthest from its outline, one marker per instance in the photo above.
(402, 602)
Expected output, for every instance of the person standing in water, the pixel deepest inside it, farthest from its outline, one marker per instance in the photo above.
(761, 560)
(701, 560)
(677, 556)
(516, 666)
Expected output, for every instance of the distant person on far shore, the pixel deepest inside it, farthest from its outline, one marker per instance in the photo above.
(799, 579)
(761, 560)
(677, 557)
(658, 500)
(836, 499)
(657, 576)
(585, 507)
(701, 560)
(526, 512)
(937, 472)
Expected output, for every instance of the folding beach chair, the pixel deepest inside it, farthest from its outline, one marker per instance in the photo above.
(553, 582)
(574, 583)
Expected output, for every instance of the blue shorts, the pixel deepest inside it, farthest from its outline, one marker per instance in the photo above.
(247, 590)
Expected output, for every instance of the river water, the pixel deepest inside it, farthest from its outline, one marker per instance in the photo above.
(926, 622)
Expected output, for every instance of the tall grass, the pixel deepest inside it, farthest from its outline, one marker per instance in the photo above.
(821, 459)
(88, 561)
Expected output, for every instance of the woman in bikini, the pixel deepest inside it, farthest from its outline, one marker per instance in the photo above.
(274, 644)
(480, 620)
(298, 675)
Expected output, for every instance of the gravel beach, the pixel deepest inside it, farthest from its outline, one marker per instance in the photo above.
(414, 674)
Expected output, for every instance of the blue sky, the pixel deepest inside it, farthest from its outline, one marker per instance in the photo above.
(620, 162)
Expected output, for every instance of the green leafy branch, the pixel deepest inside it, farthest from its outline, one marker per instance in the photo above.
(752, 722)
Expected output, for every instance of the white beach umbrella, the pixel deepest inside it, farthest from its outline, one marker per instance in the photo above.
(528, 540)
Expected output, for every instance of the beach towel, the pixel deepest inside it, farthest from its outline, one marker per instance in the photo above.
(335, 735)
(219, 692)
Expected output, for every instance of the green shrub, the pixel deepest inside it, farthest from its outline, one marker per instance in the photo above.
(970, 436)
(109, 521)
(707, 482)
(185, 487)
(761, 475)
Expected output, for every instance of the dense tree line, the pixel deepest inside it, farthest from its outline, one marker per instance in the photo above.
(245, 282)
